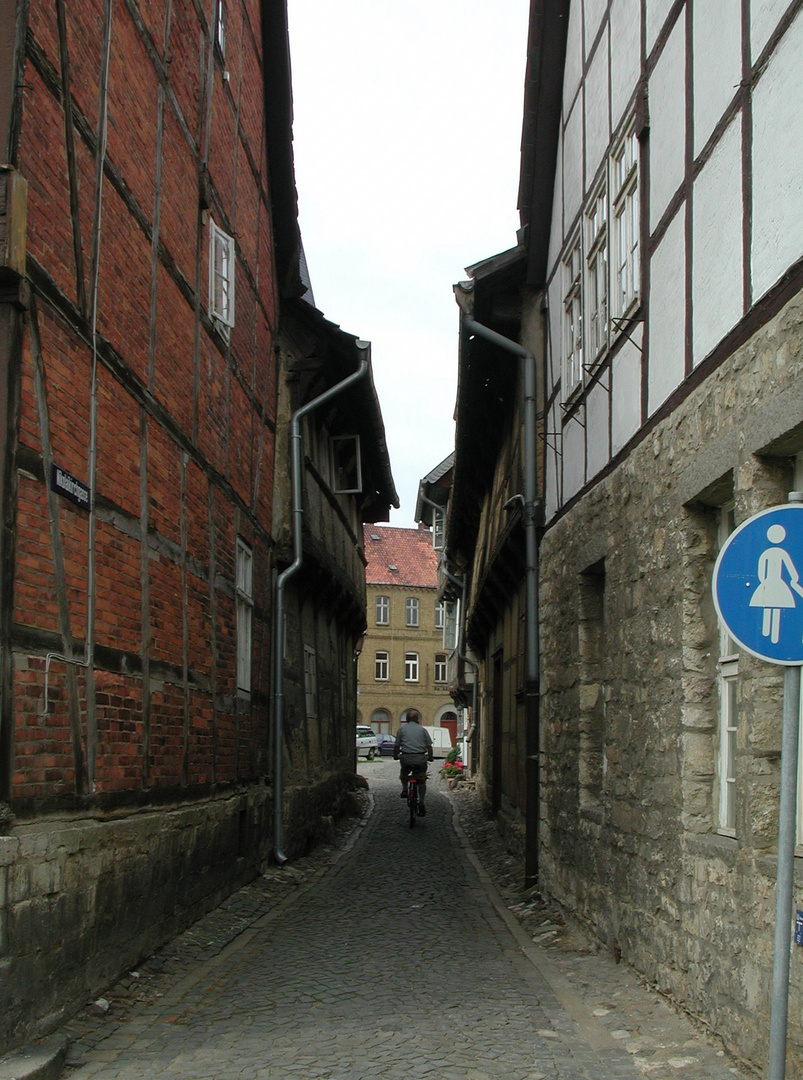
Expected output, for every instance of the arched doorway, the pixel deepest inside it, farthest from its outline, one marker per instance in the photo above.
(449, 721)
(381, 722)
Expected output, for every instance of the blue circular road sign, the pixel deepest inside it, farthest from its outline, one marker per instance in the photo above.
(758, 584)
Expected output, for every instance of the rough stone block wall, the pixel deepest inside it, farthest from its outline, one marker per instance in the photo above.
(83, 899)
(634, 699)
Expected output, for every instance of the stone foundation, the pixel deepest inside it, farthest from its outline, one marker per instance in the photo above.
(85, 898)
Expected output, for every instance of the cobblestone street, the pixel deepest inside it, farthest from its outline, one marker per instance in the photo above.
(389, 954)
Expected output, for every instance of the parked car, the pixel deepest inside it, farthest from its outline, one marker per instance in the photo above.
(366, 741)
(385, 744)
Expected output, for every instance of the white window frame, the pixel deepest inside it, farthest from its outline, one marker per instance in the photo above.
(220, 28)
(624, 291)
(381, 666)
(222, 257)
(439, 529)
(382, 610)
(440, 614)
(596, 273)
(411, 667)
(573, 317)
(244, 559)
(451, 625)
(441, 668)
(728, 680)
(310, 681)
(411, 611)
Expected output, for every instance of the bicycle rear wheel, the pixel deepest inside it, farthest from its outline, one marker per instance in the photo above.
(412, 802)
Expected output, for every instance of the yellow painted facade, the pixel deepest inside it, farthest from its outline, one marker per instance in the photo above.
(402, 664)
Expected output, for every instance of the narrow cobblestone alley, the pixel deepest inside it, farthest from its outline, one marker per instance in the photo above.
(397, 959)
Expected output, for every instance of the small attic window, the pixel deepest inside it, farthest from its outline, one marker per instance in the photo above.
(374, 536)
(392, 566)
(346, 464)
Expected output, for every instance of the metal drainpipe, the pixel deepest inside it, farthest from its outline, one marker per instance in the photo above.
(531, 588)
(364, 348)
(461, 646)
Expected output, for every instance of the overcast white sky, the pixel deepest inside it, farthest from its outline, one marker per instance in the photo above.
(407, 129)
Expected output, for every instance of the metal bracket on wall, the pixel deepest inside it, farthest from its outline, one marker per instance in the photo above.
(619, 329)
(64, 660)
(570, 412)
(545, 436)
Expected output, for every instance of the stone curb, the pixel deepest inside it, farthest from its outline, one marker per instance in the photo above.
(40, 1061)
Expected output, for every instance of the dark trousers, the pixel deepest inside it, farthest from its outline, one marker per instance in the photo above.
(417, 765)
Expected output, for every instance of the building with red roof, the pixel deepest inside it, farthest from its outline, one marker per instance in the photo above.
(403, 663)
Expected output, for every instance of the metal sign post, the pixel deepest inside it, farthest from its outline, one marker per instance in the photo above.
(785, 880)
(758, 594)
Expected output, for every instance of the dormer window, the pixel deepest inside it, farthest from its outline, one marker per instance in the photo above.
(346, 465)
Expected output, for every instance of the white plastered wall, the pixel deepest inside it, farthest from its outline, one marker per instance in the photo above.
(717, 279)
(598, 121)
(598, 407)
(777, 240)
(667, 124)
(717, 68)
(667, 314)
(626, 391)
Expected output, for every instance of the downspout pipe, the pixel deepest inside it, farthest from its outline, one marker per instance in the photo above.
(364, 349)
(529, 517)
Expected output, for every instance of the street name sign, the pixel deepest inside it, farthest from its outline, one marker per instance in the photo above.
(758, 585)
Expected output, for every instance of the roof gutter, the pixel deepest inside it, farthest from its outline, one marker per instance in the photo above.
(364, 349)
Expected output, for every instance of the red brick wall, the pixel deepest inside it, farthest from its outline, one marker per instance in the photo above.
(173, 397)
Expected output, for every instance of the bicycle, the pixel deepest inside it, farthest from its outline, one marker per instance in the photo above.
(414, 804)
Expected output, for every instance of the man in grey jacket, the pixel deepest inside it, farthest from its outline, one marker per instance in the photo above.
(414, 747)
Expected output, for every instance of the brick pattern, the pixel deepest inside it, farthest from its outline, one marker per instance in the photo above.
(182, 414)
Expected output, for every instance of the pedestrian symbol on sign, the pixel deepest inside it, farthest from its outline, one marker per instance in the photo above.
(773, 594)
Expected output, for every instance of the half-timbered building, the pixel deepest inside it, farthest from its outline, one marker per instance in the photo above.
(157, 342)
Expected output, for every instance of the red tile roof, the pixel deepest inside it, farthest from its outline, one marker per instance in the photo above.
(400, 557)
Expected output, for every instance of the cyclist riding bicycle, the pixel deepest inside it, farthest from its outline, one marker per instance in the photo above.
(414, 747)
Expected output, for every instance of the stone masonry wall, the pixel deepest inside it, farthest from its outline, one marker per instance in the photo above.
(630, 706)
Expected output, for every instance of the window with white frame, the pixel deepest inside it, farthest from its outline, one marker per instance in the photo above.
(440, 614)
(245, 612)
(381, 666)
(728, 678)
(439, 529)
(596, 285)
(411, 667)
(220, 28)
(221, 277)
(572, 318)
(310, 681)
(440, 668)
(451, 624)
(411, 611)
(625, 224)
(382, 610)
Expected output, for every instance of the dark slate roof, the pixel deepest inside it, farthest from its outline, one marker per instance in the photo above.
(400, 557)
